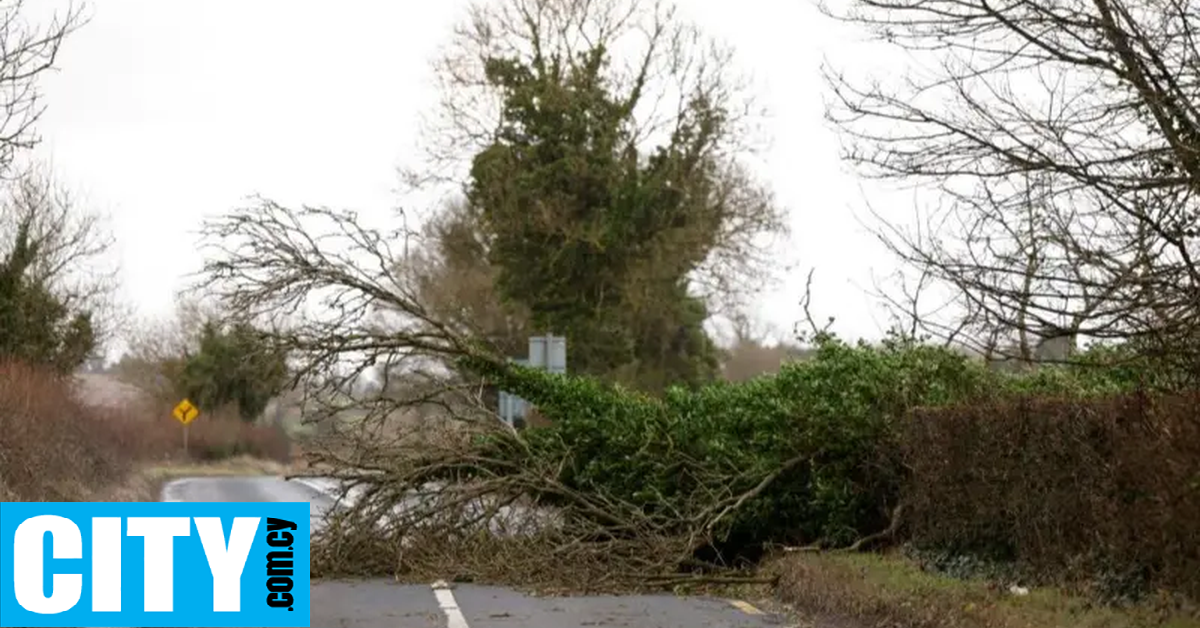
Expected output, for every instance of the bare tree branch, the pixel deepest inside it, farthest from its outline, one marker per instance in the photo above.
(1064, 139)
(27, 52)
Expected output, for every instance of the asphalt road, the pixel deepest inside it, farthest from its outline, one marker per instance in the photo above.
(385, 604)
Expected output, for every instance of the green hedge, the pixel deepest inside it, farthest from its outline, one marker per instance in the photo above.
(837, 412)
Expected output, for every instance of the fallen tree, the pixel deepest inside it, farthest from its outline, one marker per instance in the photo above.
(267, 266)
(619, 487)
(694, 461)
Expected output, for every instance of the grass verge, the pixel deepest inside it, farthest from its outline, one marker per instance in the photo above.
(861, 589)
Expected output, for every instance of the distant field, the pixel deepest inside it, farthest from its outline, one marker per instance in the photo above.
(101, 390)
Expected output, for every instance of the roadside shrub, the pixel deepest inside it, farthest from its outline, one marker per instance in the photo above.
(1104, 489)
(216, 434)
(222, 437)
(51, 447)
(56, 447)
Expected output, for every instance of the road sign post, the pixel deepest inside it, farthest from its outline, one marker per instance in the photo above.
(185, 412)
(548, 353)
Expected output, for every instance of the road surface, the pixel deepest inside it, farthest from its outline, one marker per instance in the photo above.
(385, 604)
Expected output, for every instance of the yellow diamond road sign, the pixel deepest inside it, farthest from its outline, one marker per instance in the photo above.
(186, 412)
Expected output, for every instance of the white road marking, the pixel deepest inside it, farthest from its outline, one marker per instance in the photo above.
(169, 489)
(745, 607)
(445, 598)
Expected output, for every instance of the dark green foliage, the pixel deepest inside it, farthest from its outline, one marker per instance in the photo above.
(233, 365)
(594, 237)
(831, 426)
(829, 421)
(37, 326)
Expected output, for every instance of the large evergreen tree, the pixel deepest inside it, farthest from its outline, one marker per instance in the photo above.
(598, 235)
(234, 365)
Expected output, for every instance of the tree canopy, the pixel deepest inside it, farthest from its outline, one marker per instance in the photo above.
(234, 365)
(602, 224)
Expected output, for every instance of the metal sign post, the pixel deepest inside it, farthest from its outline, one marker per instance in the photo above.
(548, 353)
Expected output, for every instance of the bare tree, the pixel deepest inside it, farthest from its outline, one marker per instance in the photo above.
(27, 51)
(457, 283)
(1064, 139)
(343, 306)
(339, 303)
(754, 352)
(157, 347)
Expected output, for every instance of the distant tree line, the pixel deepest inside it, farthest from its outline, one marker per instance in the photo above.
(217, 361)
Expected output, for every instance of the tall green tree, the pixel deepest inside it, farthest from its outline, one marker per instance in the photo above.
(234, 365)
(598, 220)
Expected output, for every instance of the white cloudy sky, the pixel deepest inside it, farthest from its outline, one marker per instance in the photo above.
(164, 111)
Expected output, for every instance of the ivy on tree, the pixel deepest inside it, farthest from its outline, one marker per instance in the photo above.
(36, 325)
(596, 238)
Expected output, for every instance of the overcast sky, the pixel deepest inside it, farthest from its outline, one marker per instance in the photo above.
(164, 111)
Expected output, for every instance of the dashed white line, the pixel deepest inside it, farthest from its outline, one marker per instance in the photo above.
(445, 598)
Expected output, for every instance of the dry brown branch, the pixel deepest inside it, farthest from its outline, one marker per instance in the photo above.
(886, 534)
(434, 503)
(337, 302)
(750, 494)
(814, 330)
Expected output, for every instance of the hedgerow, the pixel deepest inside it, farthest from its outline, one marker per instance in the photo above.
(1102, 491)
